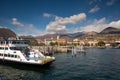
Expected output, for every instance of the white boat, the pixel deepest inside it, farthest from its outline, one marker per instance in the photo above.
(18, 51)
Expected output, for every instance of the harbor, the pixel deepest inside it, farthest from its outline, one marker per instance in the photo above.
(67, 49)
(96, 64)
(59, 40)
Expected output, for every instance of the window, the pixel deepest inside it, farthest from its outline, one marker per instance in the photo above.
(12, 55)
(1, 48)
(12, 48)
(15, 56)
(13, 42)
(7, 42)
(6, 48)
(8, 55)
(5, 55)
(18, 42)
(18, 56)
(1, 54)
(1, 42)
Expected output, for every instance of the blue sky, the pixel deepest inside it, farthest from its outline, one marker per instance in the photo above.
(39, 17)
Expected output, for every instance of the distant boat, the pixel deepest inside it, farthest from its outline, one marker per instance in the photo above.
(19, 52)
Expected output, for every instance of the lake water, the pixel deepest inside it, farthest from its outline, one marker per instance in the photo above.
(96, 64)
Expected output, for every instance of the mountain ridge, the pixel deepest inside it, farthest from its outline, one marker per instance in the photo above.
(66, 36)
(108, 30)
(5, 32)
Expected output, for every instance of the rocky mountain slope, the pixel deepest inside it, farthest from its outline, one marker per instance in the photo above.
(110, 30)
(5, 32)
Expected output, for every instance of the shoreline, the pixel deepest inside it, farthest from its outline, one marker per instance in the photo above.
(65, 49)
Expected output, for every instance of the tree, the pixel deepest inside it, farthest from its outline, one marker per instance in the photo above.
(101, 43)
(53, 43)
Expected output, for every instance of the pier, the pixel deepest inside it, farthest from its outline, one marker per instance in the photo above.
(53, 49)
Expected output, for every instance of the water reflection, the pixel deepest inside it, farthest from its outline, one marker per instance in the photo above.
(15, 72)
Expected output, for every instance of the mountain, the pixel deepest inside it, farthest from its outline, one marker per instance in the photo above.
(78, 34)
(90, 33)
(110, 30)
(69, 36)
(66, 36)
(4, 32)
(47, 36)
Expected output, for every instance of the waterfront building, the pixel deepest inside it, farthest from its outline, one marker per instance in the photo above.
(92, 43)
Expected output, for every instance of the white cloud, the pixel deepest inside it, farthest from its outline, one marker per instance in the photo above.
(93, 1)
(54, 29)
(95, 9)
(47, 15)
(115, 24)
(111, 2)
(59, 25)
(29, 29)
(26, 29)
(101, 21)
(99, 25)
(16, 23)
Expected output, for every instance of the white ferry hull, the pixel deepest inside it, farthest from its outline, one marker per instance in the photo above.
(11, 62)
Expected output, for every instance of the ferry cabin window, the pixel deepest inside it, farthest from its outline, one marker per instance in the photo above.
(1, 54)
(5, 55)
(19, 42)
(6, 48)
(15, 56)
(2, 48)
(18, 56)
(7, 42)
(13, 42)
(12, 48)
(12, 55)
(3, 42)
(25, 42)
(9, 55)
(18, 48)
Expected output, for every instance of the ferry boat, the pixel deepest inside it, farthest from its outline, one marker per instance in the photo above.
(18, 51)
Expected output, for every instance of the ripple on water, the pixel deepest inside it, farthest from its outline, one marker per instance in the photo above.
(97, 64)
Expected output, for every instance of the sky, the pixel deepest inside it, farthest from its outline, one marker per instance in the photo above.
(40, 17)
